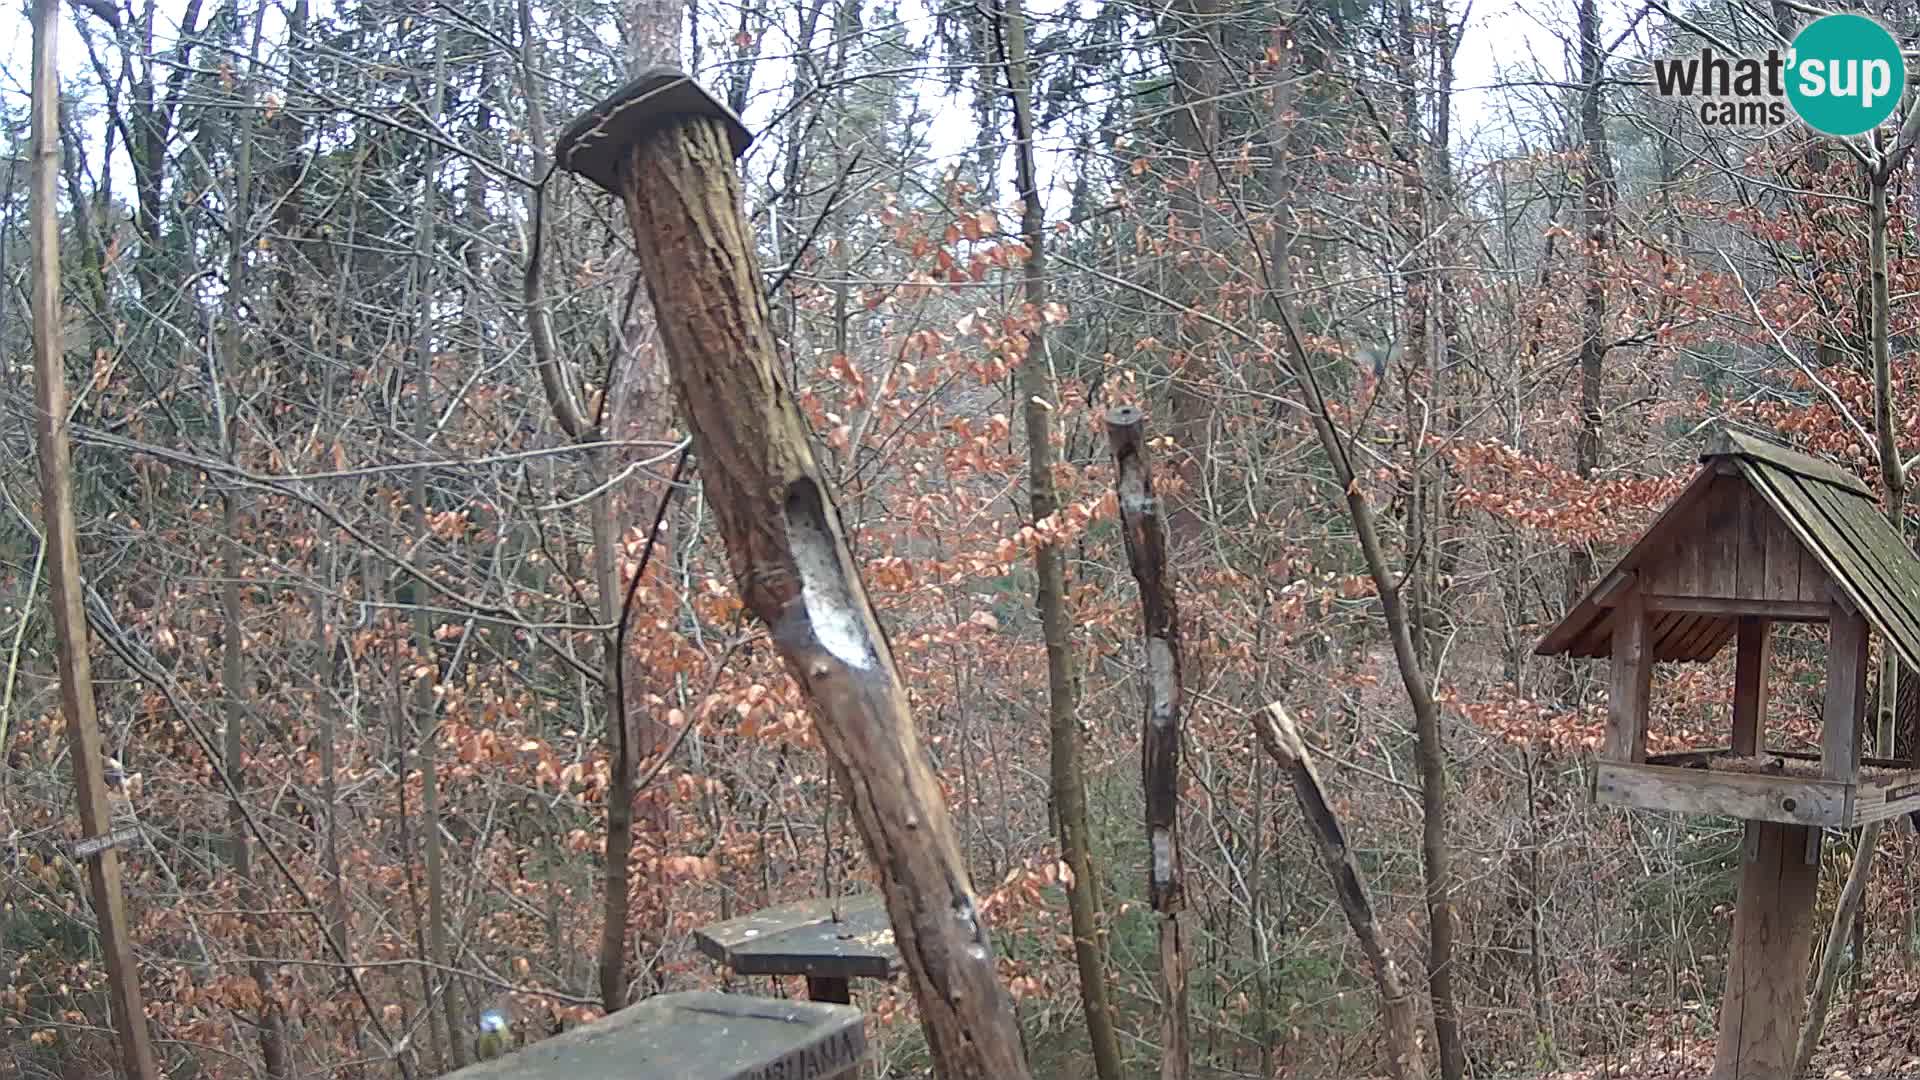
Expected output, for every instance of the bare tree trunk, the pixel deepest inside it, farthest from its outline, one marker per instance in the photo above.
(1282, 741)
(426, 713)
(270, 1022)
(1160, 735)
(1430, 754)
(63, 562)
(1050, 590)
(790, 559)
(1893, 476)
(1596, 188)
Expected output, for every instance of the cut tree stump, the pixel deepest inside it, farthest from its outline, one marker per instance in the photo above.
(1772, 941)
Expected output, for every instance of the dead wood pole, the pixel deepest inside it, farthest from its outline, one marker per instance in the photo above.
(1145, 532)
(667, 147)
(63, 562)
(1281, 738)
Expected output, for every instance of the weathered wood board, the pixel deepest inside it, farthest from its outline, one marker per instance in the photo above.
(1680, 784)
(804, 939)
(699, 1035)
(1785, 799)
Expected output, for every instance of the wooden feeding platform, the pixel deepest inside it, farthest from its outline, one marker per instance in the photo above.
(1762, 535)
(828, 941)
(698, 1035)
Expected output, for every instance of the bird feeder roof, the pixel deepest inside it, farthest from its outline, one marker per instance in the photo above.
(1758, 522)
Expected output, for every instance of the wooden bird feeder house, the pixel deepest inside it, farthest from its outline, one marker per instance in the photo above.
(1762, 535)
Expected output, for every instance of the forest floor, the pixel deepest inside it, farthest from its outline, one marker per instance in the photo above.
(1871, 1035)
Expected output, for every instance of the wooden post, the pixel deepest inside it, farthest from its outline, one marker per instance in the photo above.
(828, 988)
(1631, 681)
(1766, 971)
(1846, 699)
(63, 558)
(667, 148)
(1753, 655)
(1146, 540)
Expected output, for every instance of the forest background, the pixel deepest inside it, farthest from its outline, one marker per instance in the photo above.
(364, 506)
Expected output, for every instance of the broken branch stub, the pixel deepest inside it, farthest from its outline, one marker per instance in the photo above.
(786, 545)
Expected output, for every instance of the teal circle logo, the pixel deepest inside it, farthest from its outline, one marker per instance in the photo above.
(1847, 74)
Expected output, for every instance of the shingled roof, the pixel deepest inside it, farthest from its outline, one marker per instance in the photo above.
(1832, 513)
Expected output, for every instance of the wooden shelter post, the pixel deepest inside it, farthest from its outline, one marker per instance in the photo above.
(1752, 656)
(1772, 941)
(667, 148)
(1846, 698)
(1632, 680)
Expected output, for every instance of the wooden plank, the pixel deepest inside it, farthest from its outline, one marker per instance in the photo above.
(1809, 525)
(1659, 537)
(1706, 630)
(1885, 797)
(1752, 520)
(1845, 702)
(1664, 630)
(1771, 943)
(1781, 571)
(1775, 610)
(1718, 542)
(1748, 796)
(1739, 444)
(1893, 589)
(1750, 664)
(696, 1035)
(805, 939)
(1631, 679)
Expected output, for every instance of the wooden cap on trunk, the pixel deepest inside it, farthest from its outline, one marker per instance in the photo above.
(595, 142)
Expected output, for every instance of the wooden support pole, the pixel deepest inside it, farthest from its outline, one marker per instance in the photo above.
(1277, 733)
(1845, 706)
(1766, 970)
(1145, 532)
(63, 558)
(1753, 655)
(667, 148)
(1631, 681)
(830, 989)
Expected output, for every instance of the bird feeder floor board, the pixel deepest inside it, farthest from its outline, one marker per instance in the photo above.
(1789, 800)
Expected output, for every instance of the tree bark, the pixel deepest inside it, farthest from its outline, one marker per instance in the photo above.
(1281, 739)
(1596, 193)
(82, 722)
(1140, 523)
(790, 560)
(1050, 589)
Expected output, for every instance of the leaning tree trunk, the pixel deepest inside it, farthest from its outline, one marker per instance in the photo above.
(1050, 589)
(667, 148)
(1281, 739)
(63, 555)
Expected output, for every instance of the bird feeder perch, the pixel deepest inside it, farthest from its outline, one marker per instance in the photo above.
(1762, 535)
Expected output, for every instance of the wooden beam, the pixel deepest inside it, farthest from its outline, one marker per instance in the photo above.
(1753, 656)
(1846, 697)
(1775, 610)
(787, 545)
(1772, 941)
(1748, 796)
(1632, 680)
